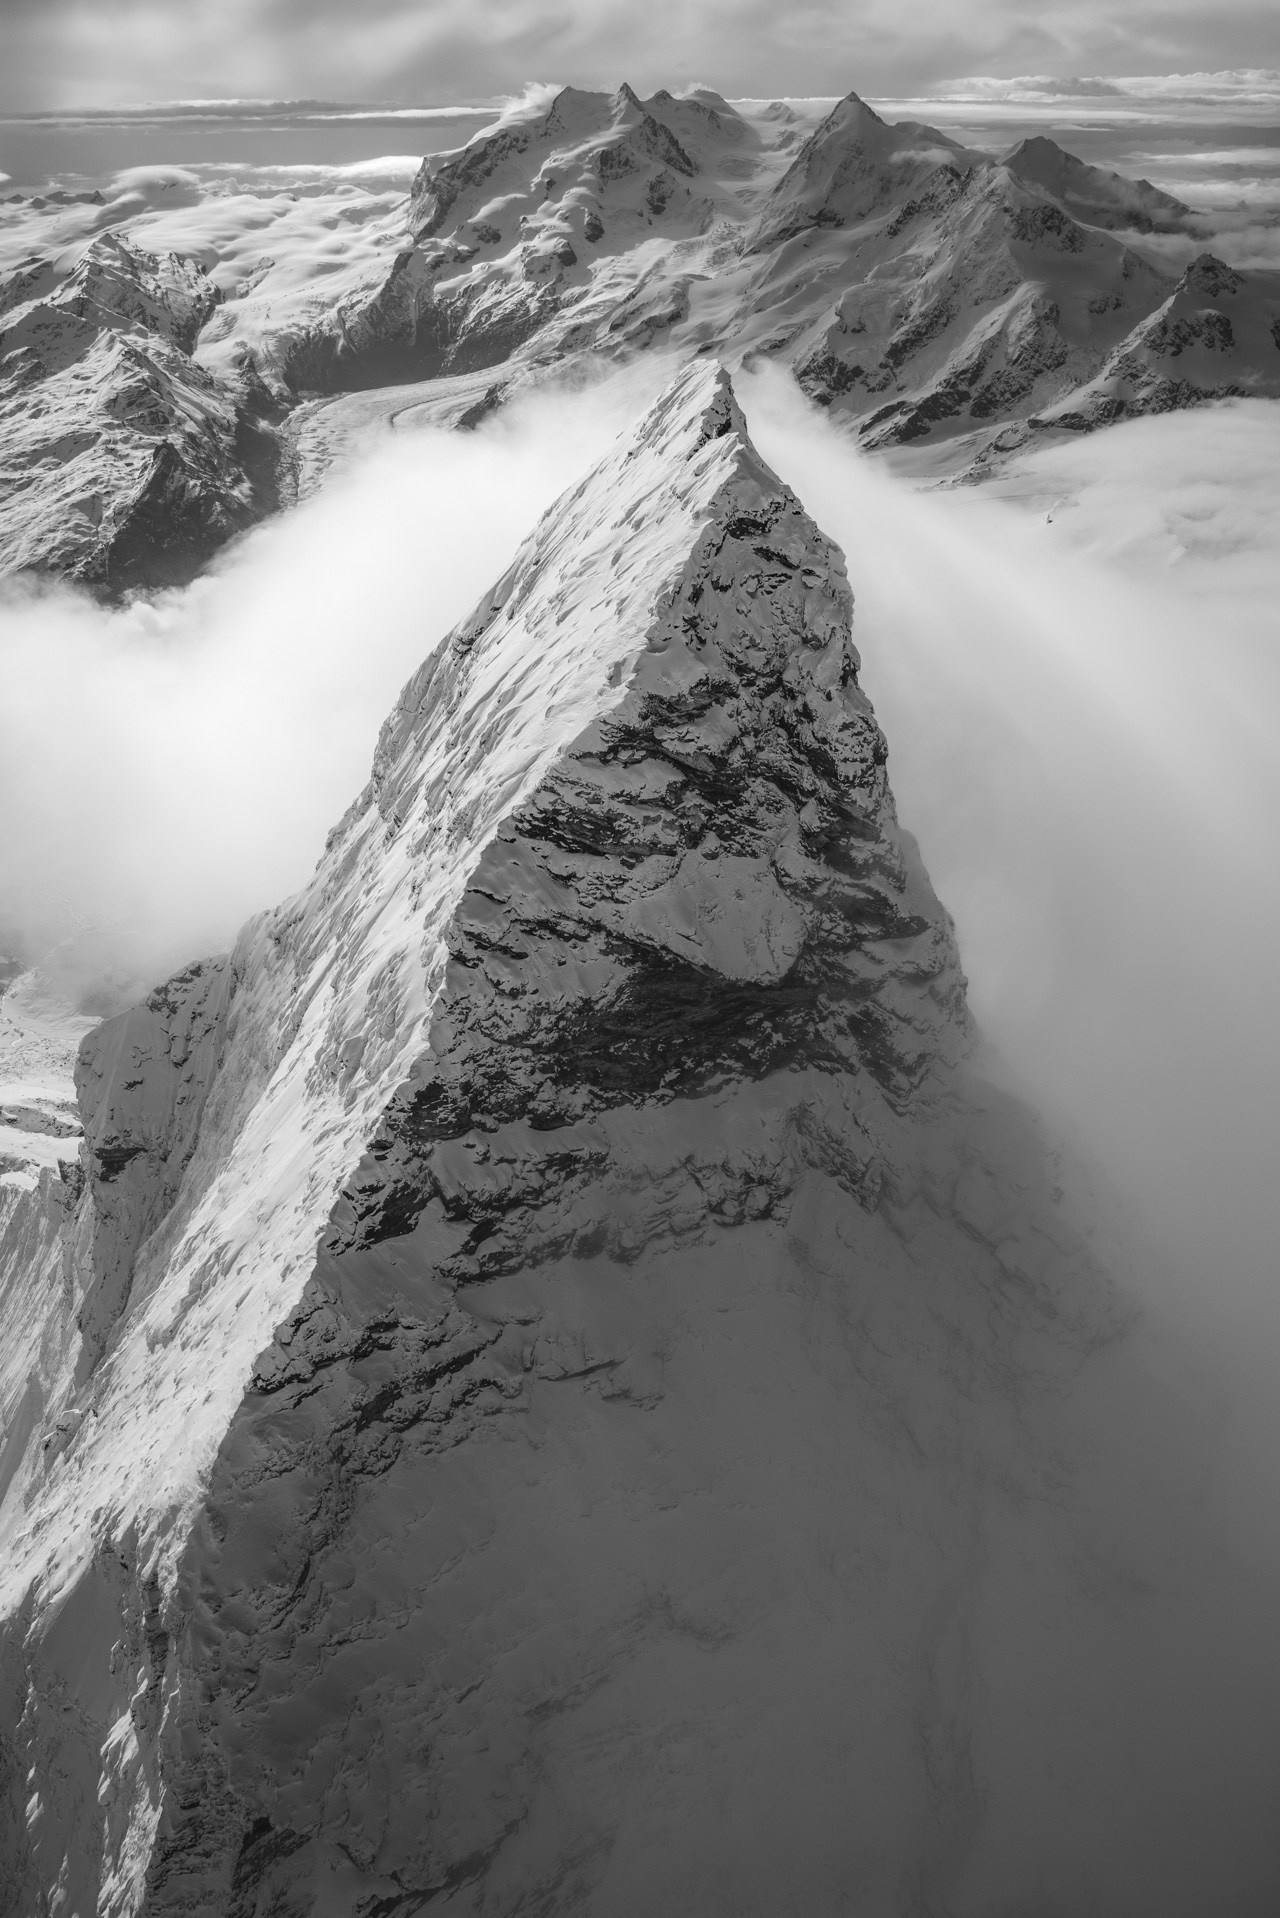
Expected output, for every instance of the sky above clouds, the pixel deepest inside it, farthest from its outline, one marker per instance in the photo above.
(98, 53)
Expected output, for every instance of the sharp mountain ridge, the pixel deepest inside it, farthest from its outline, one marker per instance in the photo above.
(545, 1338)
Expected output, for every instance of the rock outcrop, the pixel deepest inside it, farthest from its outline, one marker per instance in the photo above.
(574, 1387)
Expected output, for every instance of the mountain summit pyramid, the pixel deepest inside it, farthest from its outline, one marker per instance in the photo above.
(563, 1388)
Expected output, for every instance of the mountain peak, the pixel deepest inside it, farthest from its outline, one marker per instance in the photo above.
(666, 671)
(1211, 276)
(853, 167)
(1091, 193)
(471, 1271)
(852, 108)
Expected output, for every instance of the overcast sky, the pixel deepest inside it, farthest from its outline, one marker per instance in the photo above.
(64, 53)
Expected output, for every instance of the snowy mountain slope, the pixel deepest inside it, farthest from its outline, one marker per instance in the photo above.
(852, 166)
(916, 286)
(41, 1181)
(952, 295)
(1217, 336)
(583, 227)
(124, 461)
(578, 1376)
(1093, 194)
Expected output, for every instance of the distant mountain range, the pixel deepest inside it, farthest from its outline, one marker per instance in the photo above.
(931, 295)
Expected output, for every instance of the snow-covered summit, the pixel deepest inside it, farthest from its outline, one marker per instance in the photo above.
(124, 460)
(1215, 336)
(852, 166)
(1094, 194)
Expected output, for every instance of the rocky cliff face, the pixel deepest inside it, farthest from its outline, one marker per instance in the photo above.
(558, 1390)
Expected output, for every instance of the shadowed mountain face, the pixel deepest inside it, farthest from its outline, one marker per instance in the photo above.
(565, 1387)
(935, 296)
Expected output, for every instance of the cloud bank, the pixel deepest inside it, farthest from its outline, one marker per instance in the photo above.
(64, 53)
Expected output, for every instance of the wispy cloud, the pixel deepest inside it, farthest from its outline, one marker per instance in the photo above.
(67, 52)
(1245, 88)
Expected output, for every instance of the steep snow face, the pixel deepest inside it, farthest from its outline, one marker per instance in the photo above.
(124, 461)
(40, 1183)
